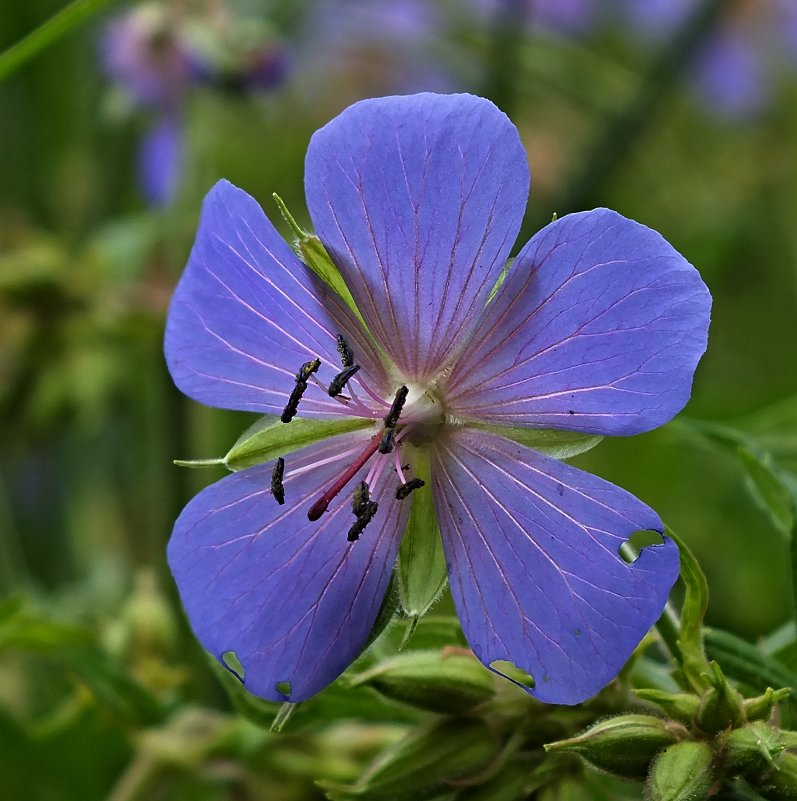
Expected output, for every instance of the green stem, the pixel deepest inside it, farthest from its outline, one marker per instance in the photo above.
(53, 29)
(669, 628)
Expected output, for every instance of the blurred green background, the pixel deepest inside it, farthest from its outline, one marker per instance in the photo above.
(612, 113)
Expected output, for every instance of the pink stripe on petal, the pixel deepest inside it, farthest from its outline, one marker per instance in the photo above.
(598, 328)
(294, 600)
(247, 314)
(418, 200)
(532, 551)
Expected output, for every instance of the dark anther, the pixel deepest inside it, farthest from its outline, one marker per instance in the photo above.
(305, 371)
(362, 497)
(277, 489)
(339, 381)
(405, 489)
(388, 440)
(391, 418)
(363, 519)
(346, 356)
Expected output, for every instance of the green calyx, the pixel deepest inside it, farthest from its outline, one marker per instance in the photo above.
(682, 772)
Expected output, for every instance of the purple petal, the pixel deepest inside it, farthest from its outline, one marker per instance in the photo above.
(159, 161)
(532, 551)
(294, 600)
(597, 328)
(418, 199)
(247, 314)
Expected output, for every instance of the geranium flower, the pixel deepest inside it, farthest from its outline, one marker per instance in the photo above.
(597, 330)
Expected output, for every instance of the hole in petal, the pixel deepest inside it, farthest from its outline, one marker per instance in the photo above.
(629, 551)
(283, 688)
(230, 660)
(512, 672)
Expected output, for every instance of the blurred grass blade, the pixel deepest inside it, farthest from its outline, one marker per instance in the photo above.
(47, 33)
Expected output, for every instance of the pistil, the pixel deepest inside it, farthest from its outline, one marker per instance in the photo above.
(322, 503)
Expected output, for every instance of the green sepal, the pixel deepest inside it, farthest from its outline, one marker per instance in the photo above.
(550, 441)
(421, 563)
(692, 657)
(269, 438)
(682, 772)
(752, 750)
(312, 252)
(433, 680)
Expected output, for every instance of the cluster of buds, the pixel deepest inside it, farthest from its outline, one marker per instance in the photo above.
(705, 742)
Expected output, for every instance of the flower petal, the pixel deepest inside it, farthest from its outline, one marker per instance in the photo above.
(598, 328)
(294, 600)
(532, 549)
(247, 314)
(418, 200)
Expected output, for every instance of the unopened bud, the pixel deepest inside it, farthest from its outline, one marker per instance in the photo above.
(682, 772)
(721, 706)
(423, 764)
(752, 750)
(511, 784)
(430, 680)
(780, 784)
(679, 706)
(761, 707)
(623, 745)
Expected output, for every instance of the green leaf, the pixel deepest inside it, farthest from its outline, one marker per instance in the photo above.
(552, 442)
(421, 563)
(269, 438)
(746, 663)
(768, 488)
(47, 33)
(76, 650)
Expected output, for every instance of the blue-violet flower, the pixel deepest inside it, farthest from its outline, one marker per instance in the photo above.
(596, 330)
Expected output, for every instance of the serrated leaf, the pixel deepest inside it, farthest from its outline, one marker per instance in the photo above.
(269, 438)
(422, 563)
(552, 442)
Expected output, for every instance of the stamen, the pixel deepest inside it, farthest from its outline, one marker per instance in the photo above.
(346, 355)
(391, 418)
(361, 499)
(339, 381)
(277, 488)
(397, 465)
(405, 489)
(305, 372)
(363, 519)
(322, 503)
(388, 440)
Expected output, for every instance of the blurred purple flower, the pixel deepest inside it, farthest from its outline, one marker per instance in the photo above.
(597, 329)
(145, 55)
(735, 70)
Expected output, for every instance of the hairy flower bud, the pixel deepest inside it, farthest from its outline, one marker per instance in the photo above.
(752, 750)
(679, 706)
(721, 706)
(682, 772)
(421, 765)
(431, 680)
(761, 707)
(780, 784)
(623, 745)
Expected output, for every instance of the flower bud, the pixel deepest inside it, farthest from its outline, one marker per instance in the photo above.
(430, 680)
(721, 706)
(682, 772)
(511, 784)
(780, 784)
(761, 707)
(752, 750)
(679, 706)
(623, 745)
(421, 765)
